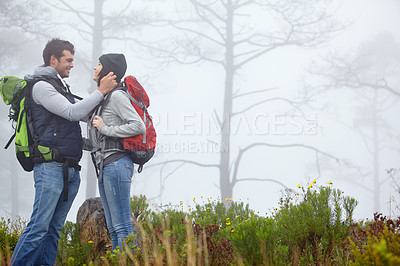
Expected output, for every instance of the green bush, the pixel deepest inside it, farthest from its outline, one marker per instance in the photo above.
(212, 212)
(120, 256)
(378, 251)
(140, 208)
(213, 245)
(70, 249)
(376, 242)
(215, 212)
(314, 227)
(10, 232)
(256, 241)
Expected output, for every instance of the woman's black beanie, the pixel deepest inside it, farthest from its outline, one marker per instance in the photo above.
(115, 63)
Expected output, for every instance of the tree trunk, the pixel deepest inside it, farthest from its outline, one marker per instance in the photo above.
(225, 183)
(375, 155)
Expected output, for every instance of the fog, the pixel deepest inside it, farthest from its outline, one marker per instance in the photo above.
(297, 114)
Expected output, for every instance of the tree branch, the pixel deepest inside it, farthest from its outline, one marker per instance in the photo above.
(252, 92)
(245, 3)
(295, 145)
(73, 10)
(206, 7)
(261, 144)
(163, 178)
(262, 180)
(217, 117)
(183, 161)
(205, 19)
(197, 33)
(385, 86)
(268, 100)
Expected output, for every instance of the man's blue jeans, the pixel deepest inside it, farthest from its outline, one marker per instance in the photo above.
(39, 242)
(115, 196)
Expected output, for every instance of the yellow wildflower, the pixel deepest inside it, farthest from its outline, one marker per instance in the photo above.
(228, 223)
(310, 186)
(298, 186)
(232, 230)
(90, 242)
(330, 183)
(314, 181)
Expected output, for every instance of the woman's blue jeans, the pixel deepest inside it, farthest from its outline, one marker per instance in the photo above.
(115, 191)
(39, 242)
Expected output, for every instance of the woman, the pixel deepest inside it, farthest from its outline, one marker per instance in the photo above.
(113, 120)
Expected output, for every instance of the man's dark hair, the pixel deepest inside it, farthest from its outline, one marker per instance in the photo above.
(56, 47)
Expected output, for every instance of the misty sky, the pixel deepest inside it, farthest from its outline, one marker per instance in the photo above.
(184, 99)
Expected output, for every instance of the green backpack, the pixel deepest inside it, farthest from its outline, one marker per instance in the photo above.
(16, 93)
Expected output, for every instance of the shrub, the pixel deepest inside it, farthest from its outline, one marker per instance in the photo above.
(120, 256)
(316, 226)
(10, 232)
(70, 249)
(310, 228)
(215, 212)
(140, 208)
(376, 242)
(359, 232)
(212, 212)
(219, 250)
(173, 235)
(382, 250)
(256, 241)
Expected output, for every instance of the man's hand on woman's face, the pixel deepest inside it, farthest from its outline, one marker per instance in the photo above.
(107, 83)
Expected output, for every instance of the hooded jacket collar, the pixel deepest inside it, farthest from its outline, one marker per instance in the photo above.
(43, 71)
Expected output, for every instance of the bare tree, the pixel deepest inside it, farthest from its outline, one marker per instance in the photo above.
(232, 34)
(28, 16)
(372, 74)
(22, 23)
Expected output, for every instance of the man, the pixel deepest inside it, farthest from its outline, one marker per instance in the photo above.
(55, 116)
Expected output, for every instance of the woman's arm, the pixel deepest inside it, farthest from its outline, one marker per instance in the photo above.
(121, 107)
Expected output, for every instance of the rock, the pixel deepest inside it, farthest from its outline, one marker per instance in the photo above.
(92, 226)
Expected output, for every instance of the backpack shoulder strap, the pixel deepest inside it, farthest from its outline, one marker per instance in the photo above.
(57, 84)
(99, 111)
(27, 94)
(100, 107)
